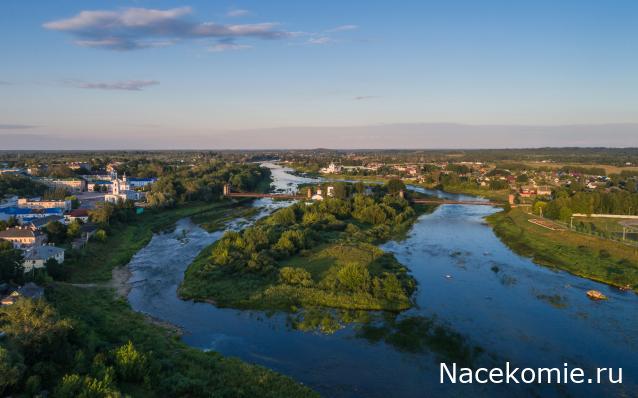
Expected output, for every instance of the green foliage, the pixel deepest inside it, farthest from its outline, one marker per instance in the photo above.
(309, 255)
(295, 276)
(10, 262)
(100, 235)
(56, 232)
(130, 364)
(12, 184)
(354, 277)
(616, 263)
(395, 185)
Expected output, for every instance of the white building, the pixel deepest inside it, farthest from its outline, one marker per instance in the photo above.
(121, 191)
(331, 169)
(37, 256)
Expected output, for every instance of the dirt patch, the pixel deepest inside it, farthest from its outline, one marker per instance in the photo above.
(119, 281)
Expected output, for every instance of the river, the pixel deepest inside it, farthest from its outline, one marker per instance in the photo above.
(467, 279)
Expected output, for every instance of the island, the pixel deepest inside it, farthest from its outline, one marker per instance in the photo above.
(319, 253)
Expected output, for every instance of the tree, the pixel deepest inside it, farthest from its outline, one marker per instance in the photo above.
(73, 230)
(56, 232)
(11, 369)
(395, 185)
(285, 216)
(354, 277)
(10, 262)
(295, 276)
(102, 214)
(130, 364)
(37, 330)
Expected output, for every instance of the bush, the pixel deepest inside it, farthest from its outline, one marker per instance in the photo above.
(295, 276)
(130, 364)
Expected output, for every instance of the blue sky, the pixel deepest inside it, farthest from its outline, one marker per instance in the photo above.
(163, 73)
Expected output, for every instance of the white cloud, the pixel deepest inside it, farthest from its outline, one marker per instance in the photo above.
(221, 47)
(135, 28)
(321, 40)
(128, 85)
(235, 13)
(343, 28)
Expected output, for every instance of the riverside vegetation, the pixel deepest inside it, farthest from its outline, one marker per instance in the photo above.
(583, 255)
(311, 255)
(86, 342)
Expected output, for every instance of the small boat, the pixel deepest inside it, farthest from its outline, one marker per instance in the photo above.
(596, 295)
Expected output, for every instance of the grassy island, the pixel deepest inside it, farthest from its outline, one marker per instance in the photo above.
(583, 255)
(311, 255)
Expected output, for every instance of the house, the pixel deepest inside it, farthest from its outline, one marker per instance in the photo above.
(37, 256)
(29, 290)
(44, 204)
(41, 222)
(81, 215)
(23, 237)
(331, 169)
(86, 232)
(543, 190)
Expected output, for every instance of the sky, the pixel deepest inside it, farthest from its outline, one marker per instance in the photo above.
(305, 74)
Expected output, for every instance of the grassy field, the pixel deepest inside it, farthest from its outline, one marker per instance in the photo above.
(583, 255)
(609, 169)
(97, 260)
(498, 195)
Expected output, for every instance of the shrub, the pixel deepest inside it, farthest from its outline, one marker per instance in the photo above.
(295, 276)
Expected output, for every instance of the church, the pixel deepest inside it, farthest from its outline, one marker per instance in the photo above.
(121, 191)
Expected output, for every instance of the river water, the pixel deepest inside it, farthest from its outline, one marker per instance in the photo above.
(468, 280)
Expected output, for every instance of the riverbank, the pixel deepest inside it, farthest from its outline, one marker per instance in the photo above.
(96, 261)
(586, 256)
(303, 256)
(101, 314)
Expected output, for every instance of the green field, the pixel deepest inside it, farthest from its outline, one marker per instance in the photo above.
(584, 255)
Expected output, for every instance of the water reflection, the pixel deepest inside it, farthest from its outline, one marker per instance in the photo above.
(472, 291)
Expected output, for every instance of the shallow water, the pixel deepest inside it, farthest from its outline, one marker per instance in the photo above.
(468, 280)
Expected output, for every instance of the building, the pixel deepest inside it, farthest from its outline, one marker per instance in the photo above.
(318, 195)
(29, 290)
(79, 165)
(41, 222)
(22, 237)
(331, 169)
(44, 204)
(121, 191)
(86, 232)
(81, 215)
(24, 215)
(135, 183)
(71, 184)
(37, 256)
(99, 186)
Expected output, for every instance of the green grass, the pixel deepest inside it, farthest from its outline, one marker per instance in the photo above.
(178, 370)
(583, 255)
